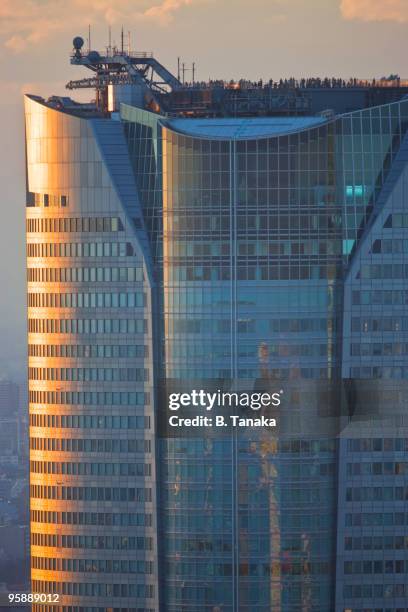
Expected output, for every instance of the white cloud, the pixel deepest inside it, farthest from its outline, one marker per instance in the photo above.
(164, 12)
(375, 10)
(28, 22)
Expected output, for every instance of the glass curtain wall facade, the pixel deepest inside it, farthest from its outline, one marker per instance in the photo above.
(250, 237)
(372, 520)
(252, 255)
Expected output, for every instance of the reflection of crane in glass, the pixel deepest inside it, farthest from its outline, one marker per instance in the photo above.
(269, 447)
(269, 477)
(306, 575)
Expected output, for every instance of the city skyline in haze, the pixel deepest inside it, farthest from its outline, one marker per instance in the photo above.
(257, 39)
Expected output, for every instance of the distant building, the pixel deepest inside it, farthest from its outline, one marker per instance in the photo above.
(10, 431)
(13, 543)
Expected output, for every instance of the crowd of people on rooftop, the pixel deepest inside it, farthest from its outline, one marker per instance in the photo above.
(305, 83)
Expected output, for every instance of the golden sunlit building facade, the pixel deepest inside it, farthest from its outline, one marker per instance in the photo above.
(92, 462)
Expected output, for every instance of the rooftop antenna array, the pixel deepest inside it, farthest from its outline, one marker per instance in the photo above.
(138, 68)
(182, 69)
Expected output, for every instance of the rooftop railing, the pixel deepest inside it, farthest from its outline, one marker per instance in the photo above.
(310, 83)
(111, 52)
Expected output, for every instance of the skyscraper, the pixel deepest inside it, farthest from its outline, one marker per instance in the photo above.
(228, 236)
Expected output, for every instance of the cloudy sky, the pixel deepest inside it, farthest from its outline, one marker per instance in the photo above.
(226, 39)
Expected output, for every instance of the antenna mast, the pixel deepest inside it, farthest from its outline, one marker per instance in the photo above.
(139, 69)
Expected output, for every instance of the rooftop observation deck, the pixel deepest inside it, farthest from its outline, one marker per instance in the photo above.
(286, 97)
(138, 79)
